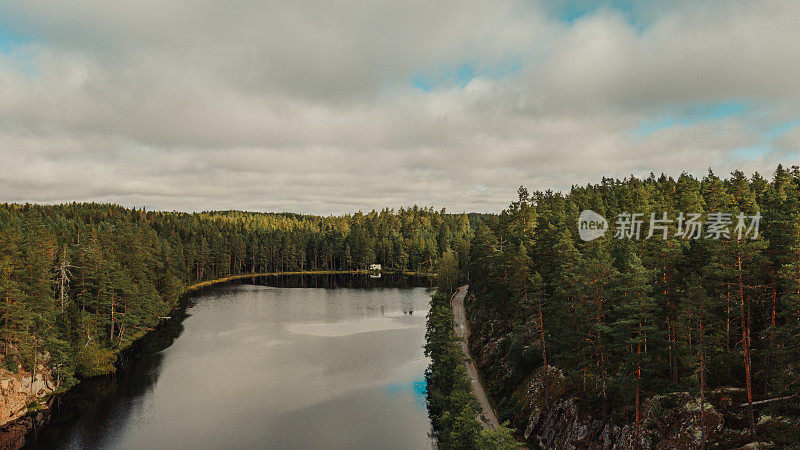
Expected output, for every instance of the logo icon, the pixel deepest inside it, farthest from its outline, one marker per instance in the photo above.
(591, 225)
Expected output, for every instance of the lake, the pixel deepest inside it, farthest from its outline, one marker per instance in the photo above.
(267, 366)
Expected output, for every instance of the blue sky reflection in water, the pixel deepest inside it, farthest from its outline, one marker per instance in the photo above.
(276, 368)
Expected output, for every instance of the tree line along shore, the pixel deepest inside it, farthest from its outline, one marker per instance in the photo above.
(79, 282)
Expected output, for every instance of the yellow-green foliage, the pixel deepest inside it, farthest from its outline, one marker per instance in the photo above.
(93, 360)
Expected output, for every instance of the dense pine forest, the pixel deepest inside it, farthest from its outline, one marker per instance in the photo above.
(78, 282)
(614, 333)
(604, 333)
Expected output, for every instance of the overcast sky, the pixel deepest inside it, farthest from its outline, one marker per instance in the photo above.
(338, 106)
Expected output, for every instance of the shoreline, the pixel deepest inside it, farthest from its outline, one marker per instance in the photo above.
(14, 433)
(204, 284)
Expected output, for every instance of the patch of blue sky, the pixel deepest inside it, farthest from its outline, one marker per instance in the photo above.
(422, 82)
(781, 129)
(571, 11)
(12, 45)
(691, 115)
(459, 76)
(11, 40)
(751, 153)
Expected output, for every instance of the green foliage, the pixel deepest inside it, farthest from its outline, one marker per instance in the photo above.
(647, 316)
(93, 360)
(447, 274)
(10, 362)
(453, 408)
(82, 281)
(501, 438)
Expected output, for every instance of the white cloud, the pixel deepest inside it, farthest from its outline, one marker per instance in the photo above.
(309, 106)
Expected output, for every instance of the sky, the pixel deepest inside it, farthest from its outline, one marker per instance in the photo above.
(330, 107)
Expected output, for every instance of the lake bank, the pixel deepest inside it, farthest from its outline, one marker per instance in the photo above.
(309, 278)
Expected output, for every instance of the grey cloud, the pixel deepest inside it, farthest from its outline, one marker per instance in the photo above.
(308, 106)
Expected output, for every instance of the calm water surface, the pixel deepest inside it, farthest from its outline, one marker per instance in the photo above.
(267, 367)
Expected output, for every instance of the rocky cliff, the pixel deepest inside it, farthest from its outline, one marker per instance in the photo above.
(22, 391)
(550, 414)
(24, 402)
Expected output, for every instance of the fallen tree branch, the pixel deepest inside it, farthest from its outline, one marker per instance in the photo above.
(769, 400)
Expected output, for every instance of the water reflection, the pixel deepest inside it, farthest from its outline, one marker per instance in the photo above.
(260, 366)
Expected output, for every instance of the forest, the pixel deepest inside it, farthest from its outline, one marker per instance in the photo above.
(80, 282)
(612, 323)
(617, 323)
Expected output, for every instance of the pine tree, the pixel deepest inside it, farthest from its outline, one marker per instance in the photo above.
(697, 316)
(634, 327)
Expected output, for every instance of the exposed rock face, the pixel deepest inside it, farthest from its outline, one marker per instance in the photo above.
(668, 421)
(14, 433)
(536, 390)
(19, 391)
(23, 403)
(548, 413)
(551, 417)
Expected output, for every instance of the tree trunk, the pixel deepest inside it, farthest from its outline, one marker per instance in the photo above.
(768, 369)
(638, 385)
(702, 388)
(728, 320)
(5, 326)
(33, 370)
(544, 351)
(746, 343)
(112, 318)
